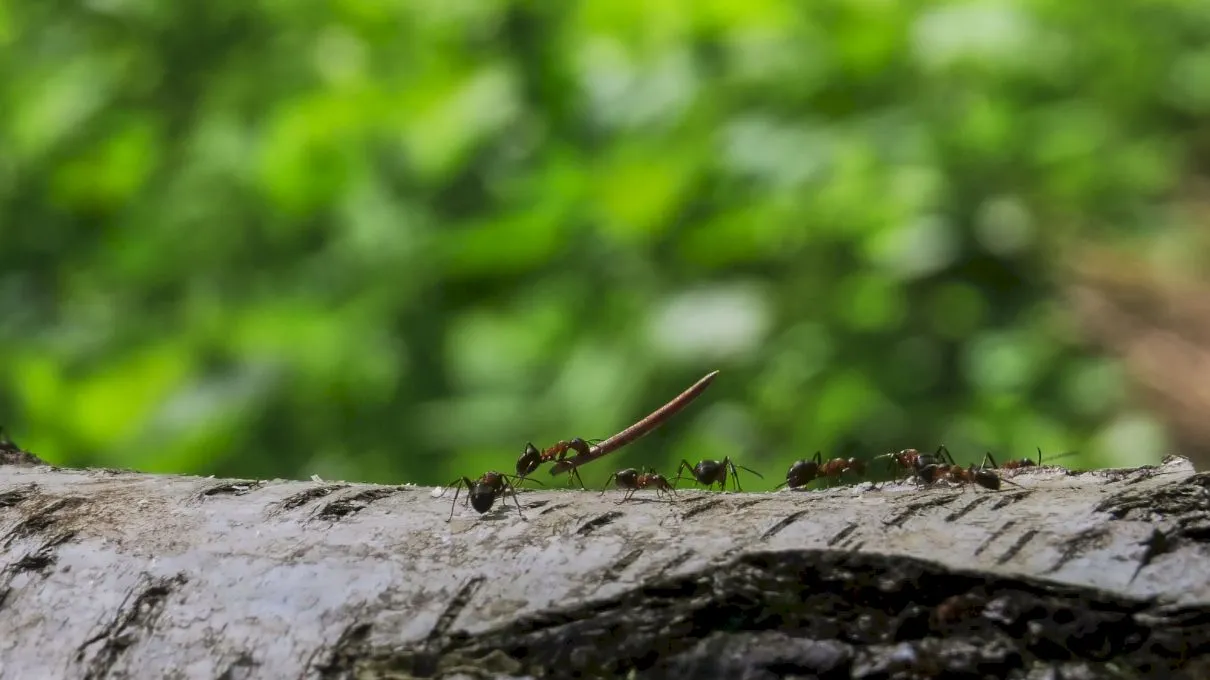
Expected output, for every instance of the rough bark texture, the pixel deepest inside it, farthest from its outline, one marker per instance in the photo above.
(117, 574)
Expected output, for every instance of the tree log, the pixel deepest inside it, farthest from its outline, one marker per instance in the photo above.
(113, 574)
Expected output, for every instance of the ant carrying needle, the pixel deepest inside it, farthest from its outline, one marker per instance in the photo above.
(532, 458)
(711, 472)
(635, 431)
(631, 480)
(482, 493)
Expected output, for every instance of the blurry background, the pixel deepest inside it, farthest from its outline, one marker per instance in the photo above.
(394, 241)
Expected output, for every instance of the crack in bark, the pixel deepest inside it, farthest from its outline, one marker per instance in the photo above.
(597, 522)
(1015, 548)
(138, 613)
(41, 519)
(783, 523)
(303, 497)
(915, 508)
(824, 613)
(350, 505)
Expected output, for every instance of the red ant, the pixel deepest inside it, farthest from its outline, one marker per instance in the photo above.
(533, 458)
(803, 472)
(632, 481)
(838, 466)
(711, 472)
(1025, 462)
(483, 492)
(913, 461)
(981, 475)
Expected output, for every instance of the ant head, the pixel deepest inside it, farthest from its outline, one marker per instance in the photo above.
(482, 498)
(529, 460)
(857, 465)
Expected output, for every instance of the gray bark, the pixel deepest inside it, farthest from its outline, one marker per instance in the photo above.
(110, 574)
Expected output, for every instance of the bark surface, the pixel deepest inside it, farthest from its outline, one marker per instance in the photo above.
(111, 574)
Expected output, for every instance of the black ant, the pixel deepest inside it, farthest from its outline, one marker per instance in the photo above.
(532, 458)
(711, 472)
(482, 493)
(632, 481)
(801, 473)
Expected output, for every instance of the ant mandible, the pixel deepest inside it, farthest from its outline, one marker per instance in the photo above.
(532, 458)
(711, 472)
(482, 493)
(632, 481)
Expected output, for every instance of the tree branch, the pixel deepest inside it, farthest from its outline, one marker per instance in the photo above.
(120, 574)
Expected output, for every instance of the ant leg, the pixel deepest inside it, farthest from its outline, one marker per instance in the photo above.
(942, 450)
(447, 487)
(458, 488)
(574, 474)
(987, 458)
(514, 495)
(751, 470)
(684, 466)
(728, 465)
(607, 481)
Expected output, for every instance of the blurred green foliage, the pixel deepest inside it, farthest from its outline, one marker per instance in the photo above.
(394, 241)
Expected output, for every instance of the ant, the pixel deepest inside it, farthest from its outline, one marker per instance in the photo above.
(982, 475)
(632, 480)
(801, 473)
(532, 458)
(1025, 462)
(838, 466)
(913, 461)
(483, 492)
(711, 472)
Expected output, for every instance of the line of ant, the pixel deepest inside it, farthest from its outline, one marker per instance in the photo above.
(923, 467)
(483, 492)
